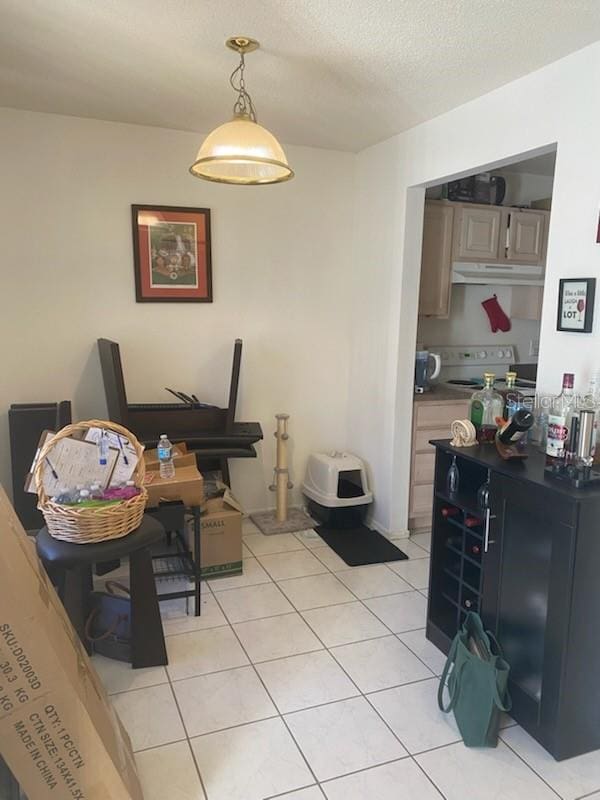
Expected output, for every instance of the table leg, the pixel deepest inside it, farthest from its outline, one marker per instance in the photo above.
(147, 639)
(198, 560)
(77, 587)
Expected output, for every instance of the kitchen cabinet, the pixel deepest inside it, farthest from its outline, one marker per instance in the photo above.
(436, 260)
(530, 567)
(526, 302)
(500, 234)
(526, 240)
(477, 233)
(433, 414)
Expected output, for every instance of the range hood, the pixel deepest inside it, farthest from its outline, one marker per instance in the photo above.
(498, 274)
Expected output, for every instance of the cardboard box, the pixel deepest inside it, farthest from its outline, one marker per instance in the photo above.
(179, 450)
(220, 536)
(187, 485)
(58, 732)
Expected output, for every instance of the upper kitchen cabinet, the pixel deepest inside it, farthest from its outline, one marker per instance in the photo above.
(477, 233)
(525, 242)
(436, 260)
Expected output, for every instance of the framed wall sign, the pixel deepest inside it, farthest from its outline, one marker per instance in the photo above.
(576, 304)
(171, 254)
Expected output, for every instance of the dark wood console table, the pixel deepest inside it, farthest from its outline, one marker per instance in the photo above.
(530, 565)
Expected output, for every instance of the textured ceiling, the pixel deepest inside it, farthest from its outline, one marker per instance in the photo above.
(331, 73)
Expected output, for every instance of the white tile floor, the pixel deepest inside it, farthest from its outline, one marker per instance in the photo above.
(307, 680)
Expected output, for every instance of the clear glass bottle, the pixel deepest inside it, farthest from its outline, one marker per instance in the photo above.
(453, 478)
(562, 409)
(486, 406)
(512, 398)
(591, 402)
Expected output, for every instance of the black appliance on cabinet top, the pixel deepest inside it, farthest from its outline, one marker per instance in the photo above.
(483, 188)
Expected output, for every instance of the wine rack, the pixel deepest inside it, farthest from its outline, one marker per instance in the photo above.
(458, 530)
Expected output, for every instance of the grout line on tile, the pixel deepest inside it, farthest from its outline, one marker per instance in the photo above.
(281, 717)
(189, 744)
(506, 744)
(301, 789)
(187, 738)
(276, 715)
(198, 630)
(184, 738)
(365, 769)
(429, 778)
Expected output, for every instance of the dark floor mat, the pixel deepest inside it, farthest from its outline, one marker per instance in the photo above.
(360, 545)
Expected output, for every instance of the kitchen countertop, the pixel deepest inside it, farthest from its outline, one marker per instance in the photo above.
(441, 394)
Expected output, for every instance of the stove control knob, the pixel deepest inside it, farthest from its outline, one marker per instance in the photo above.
(500, 353)
(481, 354)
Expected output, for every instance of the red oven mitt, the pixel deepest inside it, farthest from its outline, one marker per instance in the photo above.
(498, 319)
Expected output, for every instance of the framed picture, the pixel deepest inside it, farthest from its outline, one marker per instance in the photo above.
(171, 254)
(576, 304)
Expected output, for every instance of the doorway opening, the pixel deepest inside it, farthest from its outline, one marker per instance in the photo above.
(480, 303)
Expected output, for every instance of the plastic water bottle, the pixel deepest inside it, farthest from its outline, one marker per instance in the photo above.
(103, 449)
(165, 457)
(64, 496)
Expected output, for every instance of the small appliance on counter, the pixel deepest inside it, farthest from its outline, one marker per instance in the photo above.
(463, 367)
(427, 368)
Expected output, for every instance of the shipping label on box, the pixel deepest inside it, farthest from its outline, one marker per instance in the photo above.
(58, 732)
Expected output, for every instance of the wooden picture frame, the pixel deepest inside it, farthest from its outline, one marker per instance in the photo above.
(576, 305)
(172, 254)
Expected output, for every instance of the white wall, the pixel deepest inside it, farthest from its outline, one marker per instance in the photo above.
(281, 272)
(523, 187)
(554, 105)
(468, 323)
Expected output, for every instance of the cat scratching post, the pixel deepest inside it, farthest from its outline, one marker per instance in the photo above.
(282, 474)
(284, 519)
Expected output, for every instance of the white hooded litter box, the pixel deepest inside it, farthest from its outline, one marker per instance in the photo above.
(337, 489)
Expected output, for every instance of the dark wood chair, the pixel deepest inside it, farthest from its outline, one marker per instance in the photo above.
(210, 431)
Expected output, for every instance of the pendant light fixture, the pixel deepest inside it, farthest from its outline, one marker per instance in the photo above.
(241, 151)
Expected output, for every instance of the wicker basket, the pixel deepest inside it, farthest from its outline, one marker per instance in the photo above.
(90, 525)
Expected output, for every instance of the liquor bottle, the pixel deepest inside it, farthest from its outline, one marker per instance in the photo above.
(449, 511)
(591, 402)
(562, 409)
(472, 522)
(513, 400)
(486, 405)
(516, 427)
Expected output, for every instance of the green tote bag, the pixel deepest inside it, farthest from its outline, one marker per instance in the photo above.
(476, 680)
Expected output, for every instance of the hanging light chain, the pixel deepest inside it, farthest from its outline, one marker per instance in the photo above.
(243, 104)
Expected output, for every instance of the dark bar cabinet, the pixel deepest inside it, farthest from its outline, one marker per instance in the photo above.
(530, 565)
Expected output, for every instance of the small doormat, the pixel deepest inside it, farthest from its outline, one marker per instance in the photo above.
(359, 546)
(297, 520)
